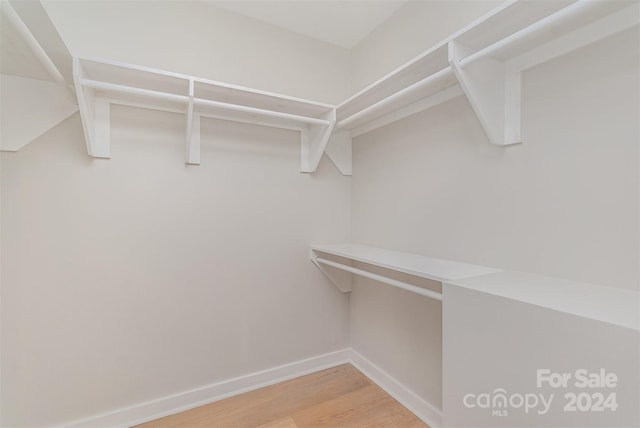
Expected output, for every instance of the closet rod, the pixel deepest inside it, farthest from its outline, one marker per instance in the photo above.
(133, 91)
(433, 79)
(202, 102)
(532, 31)
(395, 283)
(262, 112)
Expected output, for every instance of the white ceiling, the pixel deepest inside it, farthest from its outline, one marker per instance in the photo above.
(340, 22)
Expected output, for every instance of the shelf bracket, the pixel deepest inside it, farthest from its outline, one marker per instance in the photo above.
(339, 151)
(342, 279)
(94, 113)
(192, 137)
(313, 142)
(493, 89)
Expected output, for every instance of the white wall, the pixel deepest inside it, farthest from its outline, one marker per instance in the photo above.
(134, 278)
(196, 38)
(564, 203)
(130, 279)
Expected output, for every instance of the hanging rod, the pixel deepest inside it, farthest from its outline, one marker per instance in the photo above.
(532, 31)
(433, 79)
(89, 83)
(395, 283)
(262, 112)
(133, 91)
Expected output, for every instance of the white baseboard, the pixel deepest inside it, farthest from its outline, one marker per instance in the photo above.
(426, 411)
(180, 402)
(172, 404)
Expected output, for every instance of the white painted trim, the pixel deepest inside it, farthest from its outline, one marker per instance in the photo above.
(180, 402)
(427, 412)
(172, 404)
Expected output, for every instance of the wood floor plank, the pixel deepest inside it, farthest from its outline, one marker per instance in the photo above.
(282, 423)
(366, 407)
(337, 397)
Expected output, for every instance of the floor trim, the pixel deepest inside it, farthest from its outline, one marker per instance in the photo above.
(180, 402)
(169, 405)
(424, 410)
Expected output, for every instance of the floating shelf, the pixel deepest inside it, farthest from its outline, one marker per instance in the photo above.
(100, 83)
(484, 61)
(412, 264)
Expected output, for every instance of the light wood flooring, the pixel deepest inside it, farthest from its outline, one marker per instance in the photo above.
(337, 397)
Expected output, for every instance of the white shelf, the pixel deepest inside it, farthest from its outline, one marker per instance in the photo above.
(607, 304)
(100, 83)
(412, 264)
(484, 61)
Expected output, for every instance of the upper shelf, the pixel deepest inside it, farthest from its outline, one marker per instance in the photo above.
(512, 38)
(102, 82)
(158, 88)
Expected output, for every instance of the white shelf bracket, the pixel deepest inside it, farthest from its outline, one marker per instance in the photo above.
(339, 151)
(192, 138)
(342, 279)
(494, 92)
(313, 142)
(95, 115)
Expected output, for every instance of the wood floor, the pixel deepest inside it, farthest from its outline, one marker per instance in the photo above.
(337, 397)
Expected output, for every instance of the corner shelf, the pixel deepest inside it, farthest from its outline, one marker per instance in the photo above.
(484, 61)
(412, 264)
(100, 83)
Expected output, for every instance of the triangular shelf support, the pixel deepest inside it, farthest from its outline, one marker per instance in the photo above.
(339, 151)
(493, 89)
(95, 116)
(342, 279)
(313, 142)
(100, 83)
(192, 125)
